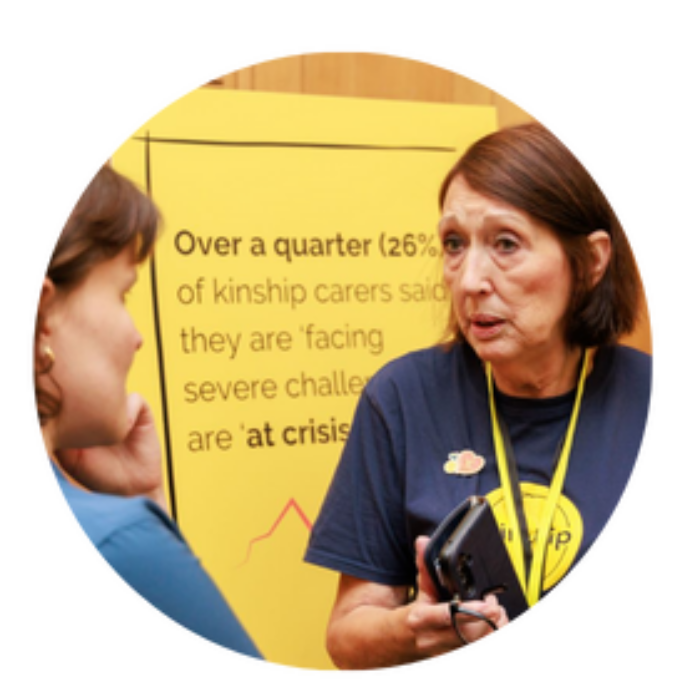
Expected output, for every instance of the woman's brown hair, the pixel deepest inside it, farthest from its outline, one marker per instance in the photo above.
(111, 215)
(528, 168)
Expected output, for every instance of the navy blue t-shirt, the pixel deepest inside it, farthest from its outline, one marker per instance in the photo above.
(396, 478)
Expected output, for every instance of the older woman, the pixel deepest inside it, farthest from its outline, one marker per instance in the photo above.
(531, 403)
(102, 443)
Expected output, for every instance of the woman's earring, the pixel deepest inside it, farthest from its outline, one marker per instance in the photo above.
(48, 355)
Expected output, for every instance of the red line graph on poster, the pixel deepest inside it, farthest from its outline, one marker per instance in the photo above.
(291, 505)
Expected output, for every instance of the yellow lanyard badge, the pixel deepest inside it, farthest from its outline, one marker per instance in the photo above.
(532, 585)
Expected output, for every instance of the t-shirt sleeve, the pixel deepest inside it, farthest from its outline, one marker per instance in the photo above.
(151, 594)
(361, 530)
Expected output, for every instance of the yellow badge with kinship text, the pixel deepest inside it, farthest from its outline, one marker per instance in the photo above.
(565, 535)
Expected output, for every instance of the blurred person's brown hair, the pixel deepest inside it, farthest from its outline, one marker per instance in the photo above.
(107, 214)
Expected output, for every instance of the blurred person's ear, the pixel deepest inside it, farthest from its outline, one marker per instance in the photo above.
(44, 289)
(44, 298)
(601, 248)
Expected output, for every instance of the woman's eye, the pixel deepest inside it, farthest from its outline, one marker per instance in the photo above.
(506, 243)
(451, 244)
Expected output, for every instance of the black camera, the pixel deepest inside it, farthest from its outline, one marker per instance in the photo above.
(467, 558)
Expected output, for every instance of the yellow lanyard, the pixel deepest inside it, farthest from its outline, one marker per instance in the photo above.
(533, 587)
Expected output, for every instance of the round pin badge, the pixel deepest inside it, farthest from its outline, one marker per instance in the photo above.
(464, 463)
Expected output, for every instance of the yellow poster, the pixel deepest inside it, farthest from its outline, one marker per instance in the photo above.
(298, 255)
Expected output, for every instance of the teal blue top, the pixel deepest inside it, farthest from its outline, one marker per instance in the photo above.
(125, 597)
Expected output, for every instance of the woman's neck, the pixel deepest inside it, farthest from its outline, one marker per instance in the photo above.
(554, 376)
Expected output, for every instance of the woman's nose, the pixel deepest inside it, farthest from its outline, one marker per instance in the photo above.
(475, 273)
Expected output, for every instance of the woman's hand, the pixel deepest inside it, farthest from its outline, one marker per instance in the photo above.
(129, 468)
(374, 625)
(430, 620)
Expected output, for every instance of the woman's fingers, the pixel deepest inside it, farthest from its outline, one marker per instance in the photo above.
(426, 588)
(431, 622)
(431, 627)
(496, 612)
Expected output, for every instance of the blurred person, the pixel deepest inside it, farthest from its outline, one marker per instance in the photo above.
(543, 285)
(102, 443)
